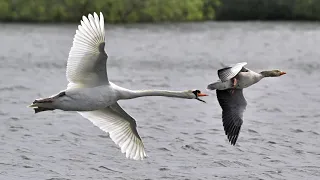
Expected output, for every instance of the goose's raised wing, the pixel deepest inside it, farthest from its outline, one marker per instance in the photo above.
(229, 72)
(121, 128)
(233, 106)
(86, 66)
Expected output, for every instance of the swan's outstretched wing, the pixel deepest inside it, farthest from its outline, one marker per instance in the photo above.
(228, 73)
(233, 105)
(121, 128)
(86, 65)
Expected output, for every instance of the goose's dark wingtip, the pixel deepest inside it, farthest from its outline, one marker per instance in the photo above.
(233, 143)
(233, 139)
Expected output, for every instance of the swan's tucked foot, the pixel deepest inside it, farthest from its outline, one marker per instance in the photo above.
(39, 105)
(40, 109)
(45, 104)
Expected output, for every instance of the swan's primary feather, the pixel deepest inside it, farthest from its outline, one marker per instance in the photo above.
(121, 128)
(233, 105)
(227, 73)
(86, 66)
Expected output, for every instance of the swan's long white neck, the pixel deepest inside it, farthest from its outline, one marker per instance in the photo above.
(141, 93)
(130, 94)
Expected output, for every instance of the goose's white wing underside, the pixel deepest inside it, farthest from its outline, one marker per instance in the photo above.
(86, 66)
(228, 73)
(121, 128)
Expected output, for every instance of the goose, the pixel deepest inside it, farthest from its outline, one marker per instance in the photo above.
(92, 95)
(229, 92)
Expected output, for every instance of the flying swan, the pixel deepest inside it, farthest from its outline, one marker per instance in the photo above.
(230, 97)
(94, 97)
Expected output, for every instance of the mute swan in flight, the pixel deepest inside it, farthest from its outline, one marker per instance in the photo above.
(94, 97)
(229, 94)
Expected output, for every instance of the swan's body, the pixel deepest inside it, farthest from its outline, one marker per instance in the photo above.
(91, 94)
(89, 99)
(230, 96)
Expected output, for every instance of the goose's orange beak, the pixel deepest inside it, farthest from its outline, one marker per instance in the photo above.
(202, 94)
(282, 73)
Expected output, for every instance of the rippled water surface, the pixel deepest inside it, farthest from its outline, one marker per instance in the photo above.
(184, 139)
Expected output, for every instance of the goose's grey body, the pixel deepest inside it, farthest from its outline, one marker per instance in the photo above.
(245, 77)
(229, 90)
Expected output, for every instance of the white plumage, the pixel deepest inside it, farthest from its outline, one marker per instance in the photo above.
(230, 72)
(121, 128)
(86, 65)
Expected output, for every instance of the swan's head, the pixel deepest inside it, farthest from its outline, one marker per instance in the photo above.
(273, 73)
(196, 94)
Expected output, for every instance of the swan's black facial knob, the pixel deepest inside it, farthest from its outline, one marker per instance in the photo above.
(198, 94)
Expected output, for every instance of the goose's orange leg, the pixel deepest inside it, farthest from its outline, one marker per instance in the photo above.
(235, 81)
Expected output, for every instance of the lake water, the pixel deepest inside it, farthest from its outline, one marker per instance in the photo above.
(184, 139)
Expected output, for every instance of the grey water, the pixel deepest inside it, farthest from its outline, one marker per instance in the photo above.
(184, 139)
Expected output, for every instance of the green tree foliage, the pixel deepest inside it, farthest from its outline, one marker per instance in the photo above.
(255, 9)
(307, 9)
(130, 11)
(115, 11)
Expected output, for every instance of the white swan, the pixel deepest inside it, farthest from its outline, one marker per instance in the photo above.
(91, 94)
(230, 97)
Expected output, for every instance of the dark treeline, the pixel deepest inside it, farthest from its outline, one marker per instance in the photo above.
(124, 11)
(269, 10)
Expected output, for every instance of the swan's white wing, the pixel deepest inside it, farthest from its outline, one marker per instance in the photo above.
(227, 73)
(121, 128)
(86, 65)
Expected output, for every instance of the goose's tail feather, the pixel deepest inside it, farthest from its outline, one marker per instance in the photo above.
(213, 86)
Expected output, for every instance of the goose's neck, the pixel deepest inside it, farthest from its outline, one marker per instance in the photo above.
(265, 74)
(130, 94)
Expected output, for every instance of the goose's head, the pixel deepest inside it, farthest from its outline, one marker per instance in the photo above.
(272, 73)
(195, 94)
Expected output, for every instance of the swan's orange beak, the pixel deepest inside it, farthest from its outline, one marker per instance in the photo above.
(202, 94)
(199, 95)
(282, 73)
